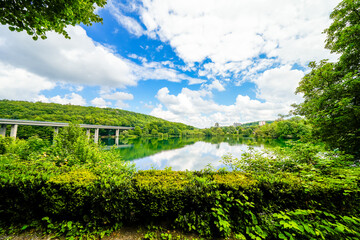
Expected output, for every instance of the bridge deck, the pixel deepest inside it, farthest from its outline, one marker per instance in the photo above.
(56, 124)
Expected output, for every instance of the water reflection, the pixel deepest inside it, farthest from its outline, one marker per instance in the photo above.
(191, 157)
(185, 153)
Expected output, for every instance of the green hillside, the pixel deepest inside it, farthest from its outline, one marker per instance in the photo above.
(78, 114)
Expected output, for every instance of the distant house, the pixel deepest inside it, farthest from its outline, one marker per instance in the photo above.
(237, 124)
(262, 123)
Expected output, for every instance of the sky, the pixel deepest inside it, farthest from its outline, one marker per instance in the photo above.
(198, 62)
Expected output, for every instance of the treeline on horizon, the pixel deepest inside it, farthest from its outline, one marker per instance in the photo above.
(145, 125)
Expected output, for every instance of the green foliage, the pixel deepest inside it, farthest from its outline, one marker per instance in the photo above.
(245, 131)
(295, 158)
(293, 128)
(331, 90)
(39, 17)
(72, 146)
(312, 224)
(342, 35)
(76, 230)
(137, 131)
(331, 106)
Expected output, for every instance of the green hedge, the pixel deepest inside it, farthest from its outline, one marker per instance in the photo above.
(210, 203)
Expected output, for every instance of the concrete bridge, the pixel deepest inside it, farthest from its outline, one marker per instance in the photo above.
(15, 123)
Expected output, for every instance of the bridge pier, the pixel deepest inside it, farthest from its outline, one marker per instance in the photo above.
(3, 130)
(13, 130)
(88, 133)
(56, 131)
(117, 131)
(96, 136)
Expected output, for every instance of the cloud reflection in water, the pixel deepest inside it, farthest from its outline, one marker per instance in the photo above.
(191, 157)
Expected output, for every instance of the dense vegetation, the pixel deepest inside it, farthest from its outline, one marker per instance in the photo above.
(74, 188)
(293, 128)
(39, 111)
(331, 90)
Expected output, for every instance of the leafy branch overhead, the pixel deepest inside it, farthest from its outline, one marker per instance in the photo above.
(41, 16)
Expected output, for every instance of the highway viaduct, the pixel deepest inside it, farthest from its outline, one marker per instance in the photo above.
(14, 123)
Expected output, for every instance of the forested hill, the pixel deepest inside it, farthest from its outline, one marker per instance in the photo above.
(77, 114)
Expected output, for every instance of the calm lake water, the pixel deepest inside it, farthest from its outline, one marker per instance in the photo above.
(184, 153)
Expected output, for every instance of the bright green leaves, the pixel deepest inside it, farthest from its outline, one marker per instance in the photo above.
(343, 34)
(331, 90)
(310, 224)
(39, 17)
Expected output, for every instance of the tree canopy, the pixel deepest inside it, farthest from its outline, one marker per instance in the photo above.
(331, 90)
(41, 16)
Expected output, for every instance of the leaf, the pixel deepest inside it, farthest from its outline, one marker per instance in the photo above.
(24, 227)
(282, 236)
(69, 224)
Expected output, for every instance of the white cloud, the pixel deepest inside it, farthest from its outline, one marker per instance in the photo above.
(112, 94)
(72, 98)
(238, 31)
(216, 84)
(100, 102)
(79, 61)
(76, 61)
(156, 71)
(278, 85)
(70, 87)
(128, 23)
(196, 108)
(19, 84)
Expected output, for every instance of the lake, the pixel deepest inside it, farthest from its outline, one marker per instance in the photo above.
(184, 153)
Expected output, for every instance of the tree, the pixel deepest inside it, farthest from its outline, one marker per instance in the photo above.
(137, 131)
(39, 17)
(331, 90)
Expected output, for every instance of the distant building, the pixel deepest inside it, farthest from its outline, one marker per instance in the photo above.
(262, 123)
(237, 124)
(217, 125)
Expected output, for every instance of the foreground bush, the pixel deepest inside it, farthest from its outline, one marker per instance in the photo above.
(74, 188)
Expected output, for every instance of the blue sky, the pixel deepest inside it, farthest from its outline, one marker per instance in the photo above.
(196, 62)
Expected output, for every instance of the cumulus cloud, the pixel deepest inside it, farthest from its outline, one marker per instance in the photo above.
(72, 98)
(79, 61)
(197, 108)
(217, 85)
(119, 97)
(278, 85)
(20, 84)
(100, 102)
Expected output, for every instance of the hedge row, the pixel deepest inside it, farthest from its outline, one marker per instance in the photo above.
(207, 202)
(75, 188)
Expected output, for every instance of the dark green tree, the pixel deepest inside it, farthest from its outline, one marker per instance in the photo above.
(332, 90)
(40, 16)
